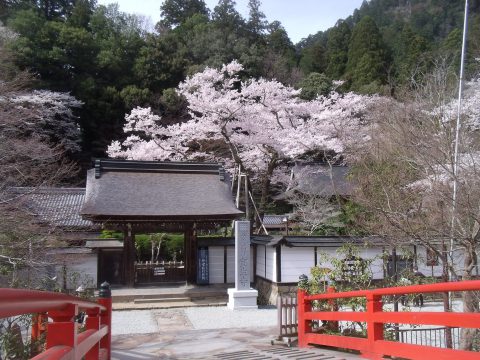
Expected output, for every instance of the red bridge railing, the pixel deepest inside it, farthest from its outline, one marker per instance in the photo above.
(63, 340)
(374, 346)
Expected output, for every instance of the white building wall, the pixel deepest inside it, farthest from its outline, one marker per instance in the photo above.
(261, 271)
(376, 266)
(252, 275)
(216, 264)
(427, 270)
(323, 256)
(271, 264)
(80, 269)
(295, 262)
(230, 264)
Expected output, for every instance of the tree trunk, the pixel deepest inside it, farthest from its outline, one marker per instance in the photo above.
(446, 295)
(265, 188)
(470, 300)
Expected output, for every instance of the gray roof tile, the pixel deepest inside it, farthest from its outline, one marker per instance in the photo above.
(59, 207)
(156, 191)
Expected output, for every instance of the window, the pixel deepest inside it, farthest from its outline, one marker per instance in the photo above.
(404, 265)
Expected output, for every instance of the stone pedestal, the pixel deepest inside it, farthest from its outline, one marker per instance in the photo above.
(242, 299)
(242, 296)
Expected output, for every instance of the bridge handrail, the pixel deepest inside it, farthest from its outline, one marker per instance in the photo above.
(21, 301)
(62, 338)
(374, 346)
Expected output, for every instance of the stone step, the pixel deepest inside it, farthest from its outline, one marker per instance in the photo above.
(166, 305)
(120, 298)
(161, 300)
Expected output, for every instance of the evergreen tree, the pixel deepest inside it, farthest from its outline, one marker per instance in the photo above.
(409, 55)
(226, 17)
(257, 22)
(367, 55)
(176, 12)
(337, 50)
(314, 85)
(313, 59)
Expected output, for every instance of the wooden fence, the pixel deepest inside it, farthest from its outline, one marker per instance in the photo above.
(287, 316)
(149, 272)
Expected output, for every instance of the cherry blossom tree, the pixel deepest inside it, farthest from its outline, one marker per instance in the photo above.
(37, 131)
(261, 122)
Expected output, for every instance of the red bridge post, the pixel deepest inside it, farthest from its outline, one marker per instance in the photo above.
(304, 326)
(374, 329)
(105, 299)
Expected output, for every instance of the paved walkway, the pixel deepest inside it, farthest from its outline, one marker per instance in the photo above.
(232, 344)
(203, 333)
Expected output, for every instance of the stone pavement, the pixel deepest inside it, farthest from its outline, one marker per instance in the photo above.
(175, 337)
(231, 344)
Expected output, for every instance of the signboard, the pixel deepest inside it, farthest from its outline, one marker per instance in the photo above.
(158, 271)
(202, 266)
(242, 255)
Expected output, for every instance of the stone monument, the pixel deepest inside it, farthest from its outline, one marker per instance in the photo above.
(242, 296)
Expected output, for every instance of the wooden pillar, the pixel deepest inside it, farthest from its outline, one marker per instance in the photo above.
(190, 254)
(129, 256)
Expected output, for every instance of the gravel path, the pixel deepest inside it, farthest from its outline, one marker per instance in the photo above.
(222, 318)
(194, 318)
(133, 322)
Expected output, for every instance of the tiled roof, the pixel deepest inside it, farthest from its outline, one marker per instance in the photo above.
(310, 241)
(59, 207)
(145, 190)
(274, 219)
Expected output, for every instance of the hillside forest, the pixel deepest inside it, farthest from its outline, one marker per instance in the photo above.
(112, 62)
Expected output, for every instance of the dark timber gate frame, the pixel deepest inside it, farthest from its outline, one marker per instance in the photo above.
(148, 196)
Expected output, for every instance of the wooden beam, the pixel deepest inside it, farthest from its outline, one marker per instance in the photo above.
(129, 256)
(190, 254)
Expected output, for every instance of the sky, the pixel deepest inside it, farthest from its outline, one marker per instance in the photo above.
(299, 17)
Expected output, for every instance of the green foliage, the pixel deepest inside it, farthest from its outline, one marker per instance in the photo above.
(367, 55)
(110, 234)
(337, 50)
(314, 85)
(313, 59)
(133, 96)
(107, 60)
(172, 102)
(176, 12)
(257, 22)
(89, 51)
(171, 246)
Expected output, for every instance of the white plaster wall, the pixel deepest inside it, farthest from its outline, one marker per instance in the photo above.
(377, 264)
(436, 270)
(230, 264)
(215, 264)
(425, 269)
(252, 275)
(261, 261)
(323, 254)
(296, 261)
(271, 264)
(81, 269)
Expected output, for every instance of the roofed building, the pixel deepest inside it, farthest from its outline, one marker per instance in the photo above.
(58, 209)
(147, 196)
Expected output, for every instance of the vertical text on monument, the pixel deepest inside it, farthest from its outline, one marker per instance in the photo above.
(242, 255)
